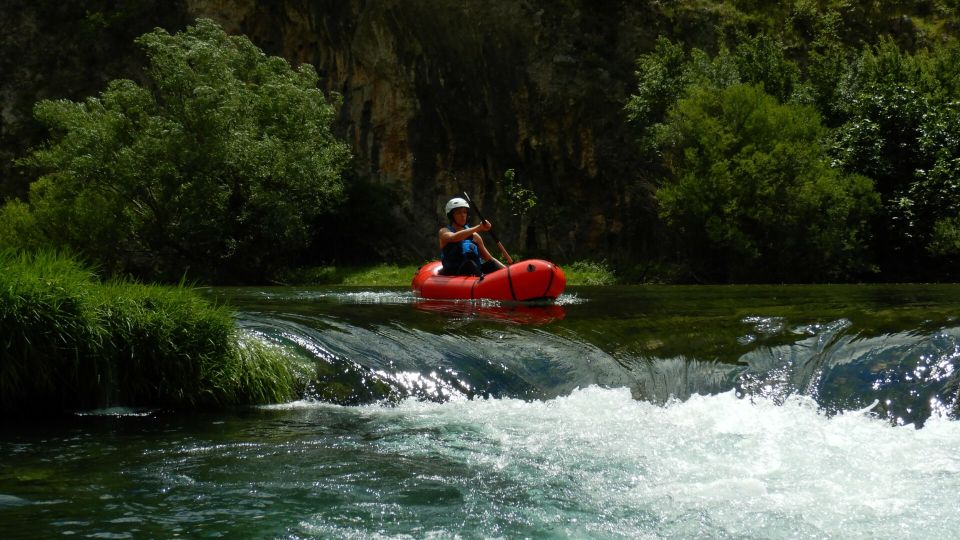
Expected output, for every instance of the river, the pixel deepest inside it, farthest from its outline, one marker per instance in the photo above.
(636, 412)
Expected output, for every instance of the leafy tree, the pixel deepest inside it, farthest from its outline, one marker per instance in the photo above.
(215, 169)
(901, 127)
(751, 194)
(667, 73)
(661, 79)
(760, 60)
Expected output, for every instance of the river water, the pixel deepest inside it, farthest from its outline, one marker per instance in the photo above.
(639, 412)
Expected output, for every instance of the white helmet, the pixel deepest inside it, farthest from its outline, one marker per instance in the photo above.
(455, 203)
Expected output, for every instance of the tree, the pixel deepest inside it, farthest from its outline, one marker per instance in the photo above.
(216, 169)
(900, 117)
(750, 192)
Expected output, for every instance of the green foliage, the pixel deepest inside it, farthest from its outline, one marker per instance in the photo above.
(661, 79)
(668, 73)
(71, 342)
(383, 274)
(523, 204)
(519, 199)
(589, 273)
(390, 275)
(751, 194)
(217, 169)
(946, 238)
(892, 119)
(18, 227)
(900, 116)
(760, 61)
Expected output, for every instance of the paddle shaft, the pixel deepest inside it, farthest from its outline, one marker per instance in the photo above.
(492, 234)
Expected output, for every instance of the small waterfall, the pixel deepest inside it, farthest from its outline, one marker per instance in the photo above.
(891, 348)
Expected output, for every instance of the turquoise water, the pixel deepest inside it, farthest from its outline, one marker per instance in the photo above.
(640, 412)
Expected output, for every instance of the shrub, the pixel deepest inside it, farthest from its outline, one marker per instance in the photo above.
(589, 273)
(220, 165)
(900, 116)
(18, 227)
(750, 192)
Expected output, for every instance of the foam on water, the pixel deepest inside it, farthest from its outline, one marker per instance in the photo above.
(118, 412)
(351, 297)
(598, 462)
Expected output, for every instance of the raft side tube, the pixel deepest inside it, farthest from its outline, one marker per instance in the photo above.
(533, 279)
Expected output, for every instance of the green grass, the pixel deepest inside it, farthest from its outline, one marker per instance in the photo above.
(589, 273)
(70, 341)
(392, 275)
(387, 275)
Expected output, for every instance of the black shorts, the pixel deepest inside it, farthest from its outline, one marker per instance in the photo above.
(469, 268)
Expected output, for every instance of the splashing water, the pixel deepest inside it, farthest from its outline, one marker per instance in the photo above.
(598, 462)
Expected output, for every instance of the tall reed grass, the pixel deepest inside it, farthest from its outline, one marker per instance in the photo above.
(69, 341)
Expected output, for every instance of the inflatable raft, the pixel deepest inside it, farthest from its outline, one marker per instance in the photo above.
(533, 279)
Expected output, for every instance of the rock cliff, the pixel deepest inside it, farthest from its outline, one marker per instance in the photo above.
(442, 95)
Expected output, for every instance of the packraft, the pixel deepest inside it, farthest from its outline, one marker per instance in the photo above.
(533, 279)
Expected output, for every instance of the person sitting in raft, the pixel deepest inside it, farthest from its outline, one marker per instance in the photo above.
(461, 249)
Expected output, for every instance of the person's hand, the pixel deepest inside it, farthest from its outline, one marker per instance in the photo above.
(485, 226)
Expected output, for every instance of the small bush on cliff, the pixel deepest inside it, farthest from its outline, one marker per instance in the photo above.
(220, 165)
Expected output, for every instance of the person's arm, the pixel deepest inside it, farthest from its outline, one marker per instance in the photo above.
(484, 254)
(446, 236)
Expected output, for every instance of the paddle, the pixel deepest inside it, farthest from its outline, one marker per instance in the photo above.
(493, 234)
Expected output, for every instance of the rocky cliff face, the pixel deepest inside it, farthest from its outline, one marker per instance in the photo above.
(446, 95)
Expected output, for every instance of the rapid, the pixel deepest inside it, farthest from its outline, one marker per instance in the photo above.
(635, 412)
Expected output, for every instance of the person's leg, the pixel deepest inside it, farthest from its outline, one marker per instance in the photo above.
(490, 267)
(469, 268)
(448, 269)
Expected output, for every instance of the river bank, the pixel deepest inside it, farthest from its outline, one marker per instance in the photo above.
(393, 275)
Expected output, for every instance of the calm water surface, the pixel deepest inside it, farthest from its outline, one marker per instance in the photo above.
(640, 412)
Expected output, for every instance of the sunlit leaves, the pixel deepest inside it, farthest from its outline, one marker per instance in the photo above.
(901, 127)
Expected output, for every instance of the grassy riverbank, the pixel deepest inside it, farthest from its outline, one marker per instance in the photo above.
(71, 342)
(392, 275)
